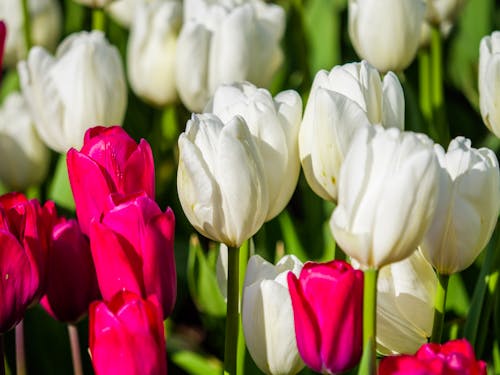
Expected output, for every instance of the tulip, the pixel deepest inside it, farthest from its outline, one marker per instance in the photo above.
(327, 301)
(132, 245)
(267, 315)
(3, 34)
(151, 51)
(71, 281)
(45, 25)
(82, 86)
(110, 161)
(122, 11)
(94, 3)
(274, 125)
(126, 336)
(383, 167)
(341, 101)
(20, 144)
(443, 11)
(224, 44)
(467, 207)
(405, 305)
(221, 179)
(386, 32)
(489, 81)
(453, 357)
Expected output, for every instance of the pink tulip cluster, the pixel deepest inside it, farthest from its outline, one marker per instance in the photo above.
(131, 242)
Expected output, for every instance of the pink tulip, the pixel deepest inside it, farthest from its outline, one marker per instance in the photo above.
(133, 249)
(110, 161)
(126, 336)
(327, 301)
(455, 357)
(71, 278)
(3, 35)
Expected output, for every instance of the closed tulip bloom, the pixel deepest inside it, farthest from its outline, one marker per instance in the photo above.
(327, 301)
(3, 35)
(110, 161)
(221, 43)
(20, 144)
(132, 246)
(82, 86)
(126, 336)
(467, 207)
(489, 81)
(405, 305)
(455, 357)
(386, 32)
(443, 11)
(221, 179)
(267, 315)
(151, 51)
(341, 101)
(388, 189)
(45, 25)
(274, 124)
(71, 278)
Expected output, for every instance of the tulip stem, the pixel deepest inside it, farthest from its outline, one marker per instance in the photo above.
(232, 315)
(439, 307)
(2, 355)
(370, 313)
(98, 19)
(424, 75)
(26, 25)
(20, 353)
(437, 86)
(75, 349)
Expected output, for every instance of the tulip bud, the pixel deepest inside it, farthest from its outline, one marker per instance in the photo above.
(224, 44)
(19, 144)
(453, 357)
(3, 34)
(489, 81)
(274, 124)
(45, 25)
(386, 32)
(221, 179)
(380, 168)
(126, 336)
(82, 86)
(151, 51)
(443, 11)
(329, 338)
(341, 101)
(405, 305)
(71, 278)
(467, 207)
(132, 246)
(110, 161)
(267, 315)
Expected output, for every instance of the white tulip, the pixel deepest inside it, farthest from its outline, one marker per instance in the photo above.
(221, 179)
(341, 101)
(81, 87)
(94, 3)
(25, 157)
(467, 207)
(151, 51)
(489, 81)
(386, 32)
(443, 11)
(405, 305)
(45, 22)
(274, 124)
(267, 315)
(388, 188)
(226, 44)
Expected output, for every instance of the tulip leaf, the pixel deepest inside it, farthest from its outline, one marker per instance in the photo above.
(59, 189)
(290, 237)
(202, 280)
(457, 298)
(196, 364)
(10, 83)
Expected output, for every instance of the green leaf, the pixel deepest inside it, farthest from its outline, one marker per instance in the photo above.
(10, 83)
(59, 189)
(290, 237)
(457, 299)
(196, 364)
(202, 280)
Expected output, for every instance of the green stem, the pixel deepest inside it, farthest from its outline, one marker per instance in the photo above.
(20, 353)
(233, 314)
(75, 349)
(2, 355)
(26, 25)
(98, 19)
(436, 60)
(370, 314)
(439, 307)
(424, 77)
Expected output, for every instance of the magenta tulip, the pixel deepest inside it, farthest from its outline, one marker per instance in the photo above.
(327, 301)
(3, 35)
(110, 161)
(71, 278)
(133, 249)
(455, 357)
(126, 336)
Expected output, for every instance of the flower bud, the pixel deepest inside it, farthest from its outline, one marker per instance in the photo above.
(489, 81)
